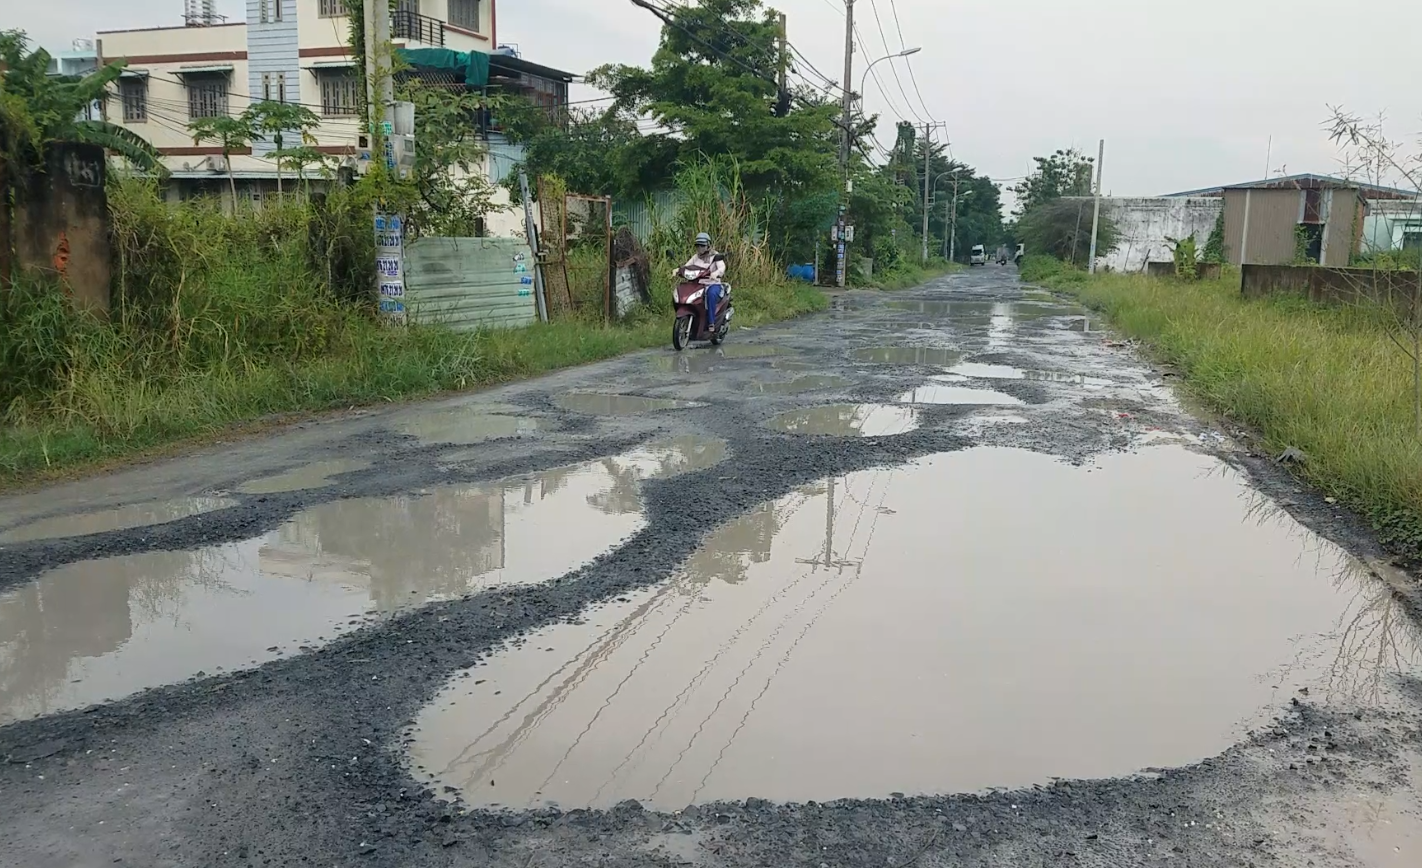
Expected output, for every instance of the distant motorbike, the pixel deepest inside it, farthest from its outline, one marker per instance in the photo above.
(689, 299)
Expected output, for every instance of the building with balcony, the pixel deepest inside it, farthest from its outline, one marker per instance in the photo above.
(291, 51)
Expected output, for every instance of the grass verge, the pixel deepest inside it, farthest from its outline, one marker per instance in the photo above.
(908, 276)
(105, 412)
(1328, 381)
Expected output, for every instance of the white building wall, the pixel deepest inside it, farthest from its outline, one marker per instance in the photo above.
(1387, 221)
(1145, 223)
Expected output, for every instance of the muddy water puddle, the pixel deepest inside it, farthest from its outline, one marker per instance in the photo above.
(105, 628)
(799, 385)
(696, 361)
(601, 404)
(462, 426)
(118, 518)
(318, 474)
(983, 371)
(986, 618)
(847, 420)
(940, 393)
(935, 356)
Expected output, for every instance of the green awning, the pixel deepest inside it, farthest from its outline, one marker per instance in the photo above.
(471, 66)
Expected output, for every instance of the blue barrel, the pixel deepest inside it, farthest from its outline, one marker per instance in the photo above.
(805, 273)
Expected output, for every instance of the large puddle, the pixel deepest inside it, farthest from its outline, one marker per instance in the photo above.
(464, 426)
(799, 385)
(105, 628)
(983, 371)
(702, 361)
(601, 404)
(118, 518)
(318, 474)
(908, 356)
(938, 393)
(847, 420)
(987, 618)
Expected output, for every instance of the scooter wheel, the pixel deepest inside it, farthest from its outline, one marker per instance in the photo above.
(681, 333)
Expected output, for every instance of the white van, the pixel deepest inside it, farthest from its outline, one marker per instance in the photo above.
(978, 256)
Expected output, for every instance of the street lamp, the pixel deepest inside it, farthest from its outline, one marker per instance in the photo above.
(864, 79)
(953, 219)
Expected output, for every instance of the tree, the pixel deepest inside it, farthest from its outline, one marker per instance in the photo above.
(38, 109)
(1065, 173)
(449, 192)
(274, 120)
(230, 134)
(711, 89)
(1062, 228)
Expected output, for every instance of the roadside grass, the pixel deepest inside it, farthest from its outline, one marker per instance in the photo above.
(116, 400)
(910, 275)
(1327, 381)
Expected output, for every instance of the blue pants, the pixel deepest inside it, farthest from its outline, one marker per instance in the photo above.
(713, 302)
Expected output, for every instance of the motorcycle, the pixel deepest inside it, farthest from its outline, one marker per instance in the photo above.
(689, 299)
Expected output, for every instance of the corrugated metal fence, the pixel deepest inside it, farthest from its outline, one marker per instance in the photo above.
(643, 216)
(470, 283)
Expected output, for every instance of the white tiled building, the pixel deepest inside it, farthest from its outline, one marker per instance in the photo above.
(293, 51)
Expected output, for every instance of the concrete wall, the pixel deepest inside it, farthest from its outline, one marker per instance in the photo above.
(1334, 286)
(272, 53)
(1144, 224)
(1344, 227)
(1273, 214)
(62, 226)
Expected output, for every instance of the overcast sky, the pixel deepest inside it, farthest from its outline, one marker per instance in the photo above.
(1186, 94)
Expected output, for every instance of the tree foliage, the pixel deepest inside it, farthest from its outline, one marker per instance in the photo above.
(38, 109)
(1062, 228)
(1066, 172)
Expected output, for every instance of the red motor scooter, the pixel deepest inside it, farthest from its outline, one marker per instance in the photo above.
(689, 299)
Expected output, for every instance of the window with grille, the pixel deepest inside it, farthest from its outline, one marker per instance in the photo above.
(271, 10)
(274, 86)
(207, 96)
(133, 93)
(331, 8)
(465, 14)
(340, 94)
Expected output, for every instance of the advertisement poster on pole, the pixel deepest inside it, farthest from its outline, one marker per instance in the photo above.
(390, 267)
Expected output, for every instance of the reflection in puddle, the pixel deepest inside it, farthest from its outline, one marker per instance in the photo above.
(889, 631)
(105, 628)
(935, 393)
(908, 356)
(701, 361)
(799, 385)
(315, 475)
(848, 420)
(599, 404)
(978, 370)
(467, 425)
(118, 518)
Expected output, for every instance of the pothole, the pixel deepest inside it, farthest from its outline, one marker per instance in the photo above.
(315, 475)
(939, 393)
(118, 518)
(701, 361)
(986, 618)
(600, 404)
(116, 625)
(981, 371)
(799, 385)
(908, 356)
(848, 420)
(463, 426)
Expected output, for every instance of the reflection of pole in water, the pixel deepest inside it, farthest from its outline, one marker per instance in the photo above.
(829, 524)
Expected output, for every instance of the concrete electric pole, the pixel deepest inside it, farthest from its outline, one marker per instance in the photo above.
(927, 156)
(846, 112)
(1096, 214)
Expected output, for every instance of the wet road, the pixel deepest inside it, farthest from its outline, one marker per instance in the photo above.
(943, 577)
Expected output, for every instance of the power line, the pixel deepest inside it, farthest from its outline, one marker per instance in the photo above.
(883, 37)
(898, 25)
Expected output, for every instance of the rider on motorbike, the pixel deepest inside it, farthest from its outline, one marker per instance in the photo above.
(706, 258)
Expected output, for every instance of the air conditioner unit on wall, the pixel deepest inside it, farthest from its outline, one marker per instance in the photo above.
(217, 163)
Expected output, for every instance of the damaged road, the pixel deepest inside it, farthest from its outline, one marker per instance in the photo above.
(946, 577)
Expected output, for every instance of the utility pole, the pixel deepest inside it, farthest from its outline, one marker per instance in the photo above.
(953, 221)
(1096, 215)
(783, 92)
(847, 120)
(927, 174)
(389, 226)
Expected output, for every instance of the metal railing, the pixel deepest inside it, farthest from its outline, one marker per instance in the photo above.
(417, 28)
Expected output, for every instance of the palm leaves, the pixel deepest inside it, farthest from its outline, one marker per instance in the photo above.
(37, 109)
